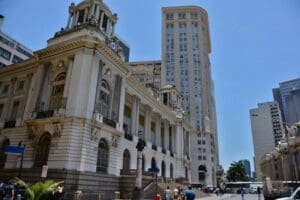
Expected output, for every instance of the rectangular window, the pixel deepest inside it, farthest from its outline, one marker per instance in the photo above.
(169, 16)
(199, 157)
(21, 85)
(194, 16)
(5, 54)
(203, 141)
(1, 109)
(2, 64)
(181, 15)
(5, 89)
(16, 59)
(14, 112)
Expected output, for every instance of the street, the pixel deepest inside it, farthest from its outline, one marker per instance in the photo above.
(233, 197)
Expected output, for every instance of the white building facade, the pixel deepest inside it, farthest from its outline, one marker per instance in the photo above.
(267, 131)
(11, 51)
(76, 109)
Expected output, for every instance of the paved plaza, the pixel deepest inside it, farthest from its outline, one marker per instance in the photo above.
(233, 197)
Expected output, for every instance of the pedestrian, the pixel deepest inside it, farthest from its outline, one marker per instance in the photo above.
(258, 192)
(176, 193)
(58, 193)
(242, 193)
(189, 193)
(168, 193)
(8, 191)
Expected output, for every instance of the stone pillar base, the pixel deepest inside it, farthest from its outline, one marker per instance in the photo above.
(137, 194)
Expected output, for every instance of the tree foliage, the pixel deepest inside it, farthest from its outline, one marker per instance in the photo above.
(237, 172)
(39, 190)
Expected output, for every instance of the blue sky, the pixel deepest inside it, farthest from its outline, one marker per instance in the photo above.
(255, 45)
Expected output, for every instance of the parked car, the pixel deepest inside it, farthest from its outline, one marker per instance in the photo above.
(295, 195)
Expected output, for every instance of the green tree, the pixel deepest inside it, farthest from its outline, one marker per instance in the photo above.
(237, 172)
(39, 190)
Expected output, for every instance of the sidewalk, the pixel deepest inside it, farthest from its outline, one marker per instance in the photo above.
(215, 197)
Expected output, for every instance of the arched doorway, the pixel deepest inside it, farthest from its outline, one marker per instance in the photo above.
(42, 151)
(171, 170)
(163, 169)
(102, 158)
(126, 159)
(201, 172)
(3, 156)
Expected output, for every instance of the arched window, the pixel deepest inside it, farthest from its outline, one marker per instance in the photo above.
(163, 169)
(3, 156)
(42, 151)
(171, 170)
(153, 163)
(126, 159)
(57, 92)
(104, 98)
(201, 172)
(102, 160)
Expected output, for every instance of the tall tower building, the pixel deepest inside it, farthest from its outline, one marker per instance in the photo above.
(267, 130)
(247, 166)
(185, 64)
(286, 96)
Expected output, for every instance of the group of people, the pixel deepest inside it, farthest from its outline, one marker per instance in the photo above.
(179, 194)
(9, 191)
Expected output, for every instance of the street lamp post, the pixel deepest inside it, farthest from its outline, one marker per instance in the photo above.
(138, 192)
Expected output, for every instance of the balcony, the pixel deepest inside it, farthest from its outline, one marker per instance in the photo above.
(10, 124)
(154, 147)
(128, 136)
(44, 114)
(109, 122)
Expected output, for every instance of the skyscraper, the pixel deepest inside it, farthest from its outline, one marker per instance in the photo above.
(247, 166)
(185, 64)
(267, 130)
(286, 95)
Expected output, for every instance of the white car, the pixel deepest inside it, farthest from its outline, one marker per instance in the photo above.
(295, 195)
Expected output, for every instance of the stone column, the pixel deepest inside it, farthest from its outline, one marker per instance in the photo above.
(69, 21)
(178, 143)
(92, 11)
(101, 19)
(68, 77)
(135, 115)
(122, 103)
(8, 106)
(148, 124)
(97, 13)
(157, 129)
(166, 124)
(85, 15)
(76, 18)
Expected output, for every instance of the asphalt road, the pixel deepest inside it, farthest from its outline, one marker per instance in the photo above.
(233, 197)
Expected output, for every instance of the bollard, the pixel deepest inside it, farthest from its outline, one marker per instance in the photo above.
(78, 195)
(19, 197)
(99, 196)
(117, 195)
(157, 197)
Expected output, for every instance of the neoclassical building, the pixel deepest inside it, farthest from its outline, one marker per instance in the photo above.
(76, 109)
(283, 163)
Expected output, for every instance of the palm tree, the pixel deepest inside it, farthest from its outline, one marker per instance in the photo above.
(237, 172)
(39, 190)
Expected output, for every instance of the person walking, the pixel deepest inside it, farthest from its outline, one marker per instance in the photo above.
(176, 193)
(258, 192)
(168, 193)
(58, 193)
(189, 193)
(242, 193)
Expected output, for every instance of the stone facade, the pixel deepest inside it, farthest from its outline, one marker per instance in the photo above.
(283, 163)
(76, 108)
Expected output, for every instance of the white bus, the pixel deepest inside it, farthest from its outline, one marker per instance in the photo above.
(249, 187)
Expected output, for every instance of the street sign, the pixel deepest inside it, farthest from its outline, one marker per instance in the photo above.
(13, 150)
(154, 170)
